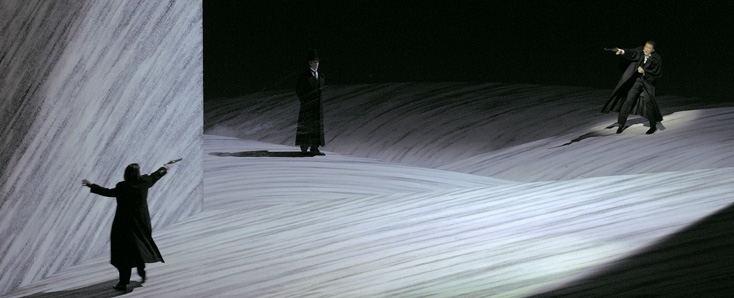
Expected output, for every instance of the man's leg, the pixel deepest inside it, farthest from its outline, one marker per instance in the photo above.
(653, 127)
(124, 278)
(315, 150)
(141, 272)
(315, 141)
(624, 112)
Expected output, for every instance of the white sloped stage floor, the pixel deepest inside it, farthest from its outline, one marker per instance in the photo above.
(585, 212)
(444, 233)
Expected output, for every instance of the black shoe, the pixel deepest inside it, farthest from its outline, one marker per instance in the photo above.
(652, 130)
(620, 129)
(120, 287)
(315, 151)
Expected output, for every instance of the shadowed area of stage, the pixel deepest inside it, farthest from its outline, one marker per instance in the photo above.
(441, 124)
(688, 263)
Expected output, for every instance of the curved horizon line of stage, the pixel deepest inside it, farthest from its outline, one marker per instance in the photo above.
(476, 127)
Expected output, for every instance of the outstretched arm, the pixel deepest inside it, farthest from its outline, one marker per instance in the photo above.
(159, 173)
(94, 188)
(631, 54)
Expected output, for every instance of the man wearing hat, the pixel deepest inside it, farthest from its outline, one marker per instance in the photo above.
(310, 131)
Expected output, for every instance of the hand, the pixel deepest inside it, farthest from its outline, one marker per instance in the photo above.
(640, 70)
(619, 51)
(86, 182)
(167, 166)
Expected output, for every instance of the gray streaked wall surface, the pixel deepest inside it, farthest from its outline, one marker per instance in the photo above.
(86, 88)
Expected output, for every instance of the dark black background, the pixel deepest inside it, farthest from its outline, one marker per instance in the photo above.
(251, 46)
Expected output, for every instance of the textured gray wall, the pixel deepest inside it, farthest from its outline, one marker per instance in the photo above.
(88, 87)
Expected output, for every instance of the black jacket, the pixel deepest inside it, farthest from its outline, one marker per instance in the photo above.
(646, 106)
(131, 238)
(310, 130)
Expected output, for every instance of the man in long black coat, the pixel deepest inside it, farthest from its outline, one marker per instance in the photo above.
(310, 130)
(635, 92)
(131, 238)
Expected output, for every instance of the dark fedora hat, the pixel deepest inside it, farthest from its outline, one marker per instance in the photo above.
(313, 55)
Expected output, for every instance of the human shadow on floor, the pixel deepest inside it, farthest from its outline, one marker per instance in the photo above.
(694, 262)
(103, 289)
(629, 123)
(642, 121)
(595, 134)
(262, 153)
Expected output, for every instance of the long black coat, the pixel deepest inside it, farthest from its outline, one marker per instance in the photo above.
(646, 105)
(131, 239)
(310, 131)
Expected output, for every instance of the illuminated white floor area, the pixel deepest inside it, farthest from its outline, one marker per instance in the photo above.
(341, 226)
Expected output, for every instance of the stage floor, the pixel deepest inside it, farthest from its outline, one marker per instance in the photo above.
(278, 225)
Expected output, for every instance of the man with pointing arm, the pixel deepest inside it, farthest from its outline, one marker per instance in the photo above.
(635, 91)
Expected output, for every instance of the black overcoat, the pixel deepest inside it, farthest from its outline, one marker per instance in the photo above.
(131, 239)
(646, 105)
(310, 130)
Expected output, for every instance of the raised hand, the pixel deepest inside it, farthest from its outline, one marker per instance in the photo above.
(168, 164)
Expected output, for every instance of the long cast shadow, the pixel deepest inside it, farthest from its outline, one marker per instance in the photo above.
(262, 153)
(695, 262)
(103, 289)
(593, 134)
(596, 134)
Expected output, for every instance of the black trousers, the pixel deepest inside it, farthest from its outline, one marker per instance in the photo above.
(125, 273)
(629, 103)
